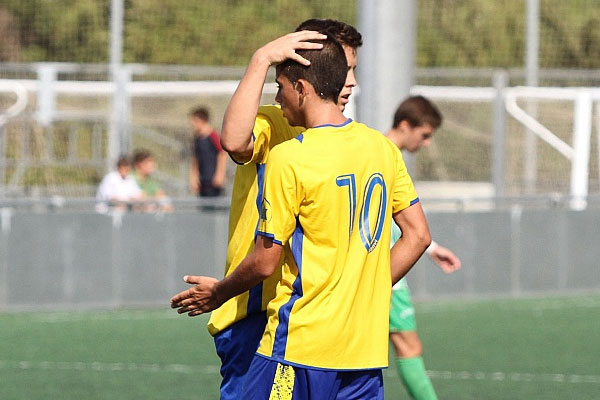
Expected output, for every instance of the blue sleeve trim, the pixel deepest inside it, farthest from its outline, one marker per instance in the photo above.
(270, 236)
(236, 161)
(415, 201)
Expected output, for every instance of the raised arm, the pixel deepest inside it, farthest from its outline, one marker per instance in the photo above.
(209, 293)
(238, 122)
(415, 239)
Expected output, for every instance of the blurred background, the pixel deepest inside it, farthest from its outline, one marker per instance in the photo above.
(102, 78)
(511, 182)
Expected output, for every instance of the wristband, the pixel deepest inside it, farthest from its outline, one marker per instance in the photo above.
(431, 248)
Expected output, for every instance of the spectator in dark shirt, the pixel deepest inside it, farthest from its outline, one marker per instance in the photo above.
(209, 161)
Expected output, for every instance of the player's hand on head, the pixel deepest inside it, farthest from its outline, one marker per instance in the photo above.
(199, 299)
(284, 47)
(445, 259)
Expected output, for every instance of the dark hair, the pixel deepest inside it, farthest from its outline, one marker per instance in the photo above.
(141, 155)
(123, 161)
(200, 112)
(344, 33)
(418, 111)
(327, 70)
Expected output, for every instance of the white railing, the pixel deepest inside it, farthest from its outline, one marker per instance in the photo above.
(16, 87)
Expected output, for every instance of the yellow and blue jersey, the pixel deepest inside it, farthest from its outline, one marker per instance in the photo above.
(329, 196)
(270, 129)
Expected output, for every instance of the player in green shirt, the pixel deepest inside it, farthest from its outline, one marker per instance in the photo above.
(415, 121)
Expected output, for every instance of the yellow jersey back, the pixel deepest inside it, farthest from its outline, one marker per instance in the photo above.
(329, 197)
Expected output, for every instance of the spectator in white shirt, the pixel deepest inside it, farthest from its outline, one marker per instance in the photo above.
(118, 189)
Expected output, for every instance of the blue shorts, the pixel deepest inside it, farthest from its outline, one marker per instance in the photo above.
(268, 379)
(236, 347)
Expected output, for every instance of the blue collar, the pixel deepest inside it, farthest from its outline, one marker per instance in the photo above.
(349, 120)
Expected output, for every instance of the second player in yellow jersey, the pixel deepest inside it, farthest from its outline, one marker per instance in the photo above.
(270, 129)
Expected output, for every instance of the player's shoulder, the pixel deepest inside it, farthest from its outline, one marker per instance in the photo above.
(288, 150)
(290, 146)
(375, 135)
(272, 112)
(279, 125)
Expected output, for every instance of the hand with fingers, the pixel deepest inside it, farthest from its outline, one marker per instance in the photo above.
(284, 47)
(445, 259)
(199, 299)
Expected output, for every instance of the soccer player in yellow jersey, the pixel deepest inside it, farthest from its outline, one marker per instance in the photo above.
(328, 197)
(248, 136)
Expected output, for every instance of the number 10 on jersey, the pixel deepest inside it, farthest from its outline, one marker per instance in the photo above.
(369, 238)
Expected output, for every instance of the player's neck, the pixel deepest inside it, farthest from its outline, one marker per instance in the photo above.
(396, 137)
(324, 113)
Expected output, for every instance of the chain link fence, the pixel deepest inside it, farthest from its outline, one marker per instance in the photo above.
(459, 43)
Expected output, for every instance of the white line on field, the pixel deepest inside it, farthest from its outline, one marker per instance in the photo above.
(536, 305)
(109, 367)
(61, 316)
(214, 370)
(513, 377)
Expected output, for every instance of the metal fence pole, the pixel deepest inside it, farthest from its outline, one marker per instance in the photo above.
(385, 76)
(115, 131)
(500, 82)
(532, 47)
(46, 97)
(582, 132)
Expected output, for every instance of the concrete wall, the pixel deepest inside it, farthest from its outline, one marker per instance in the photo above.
(92, 260)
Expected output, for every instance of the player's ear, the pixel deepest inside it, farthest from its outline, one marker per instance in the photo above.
(301, 87)
(405, 126)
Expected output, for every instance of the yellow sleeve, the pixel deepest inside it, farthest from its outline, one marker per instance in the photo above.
(270, 129)
(281, 197)
(261, 134)
(404, 194)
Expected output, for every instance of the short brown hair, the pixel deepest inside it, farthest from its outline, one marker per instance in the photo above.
(327, 70)
(123, 161)
(417, 111)
(141, 155)
(344, 33)
(200, 112)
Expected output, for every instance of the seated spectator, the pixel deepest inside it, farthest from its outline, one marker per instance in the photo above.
(118, 189)
(155, 197)
(209, 161)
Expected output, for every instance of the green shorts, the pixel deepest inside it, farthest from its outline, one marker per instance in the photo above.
(402, 312)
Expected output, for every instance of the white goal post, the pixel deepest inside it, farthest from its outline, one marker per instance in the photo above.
(578, 153)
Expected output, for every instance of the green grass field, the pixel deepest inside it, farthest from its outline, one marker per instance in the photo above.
(546, 348)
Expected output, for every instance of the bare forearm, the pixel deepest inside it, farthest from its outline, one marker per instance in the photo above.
(194, 173)
(256, 267)
(221, 168)
(238, 121)
(244, 278)
(415, 239)
(404, 254)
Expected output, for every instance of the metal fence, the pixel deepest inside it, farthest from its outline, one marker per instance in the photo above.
(82, 259)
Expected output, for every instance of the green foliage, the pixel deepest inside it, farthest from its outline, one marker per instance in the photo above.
(65, 30)
(473, 33)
